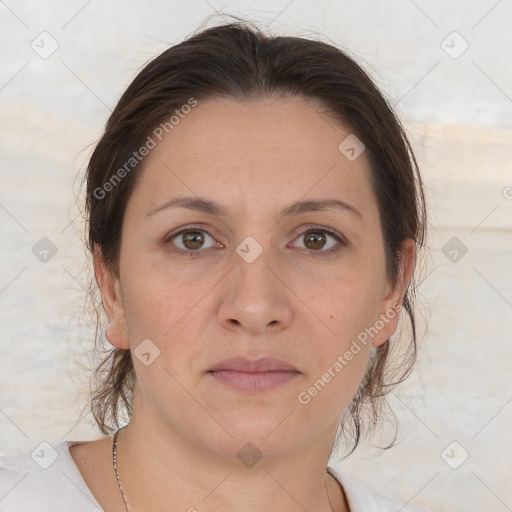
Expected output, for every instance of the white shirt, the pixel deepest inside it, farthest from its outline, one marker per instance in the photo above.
(49, 481)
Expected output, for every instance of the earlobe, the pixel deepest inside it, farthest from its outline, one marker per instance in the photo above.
(112, 300)
(391, 305)
(117, 335)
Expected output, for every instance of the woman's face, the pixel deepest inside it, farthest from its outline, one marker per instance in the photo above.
(275, 250)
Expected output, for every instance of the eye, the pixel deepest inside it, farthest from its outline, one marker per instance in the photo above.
(190, 240)
(320, 240)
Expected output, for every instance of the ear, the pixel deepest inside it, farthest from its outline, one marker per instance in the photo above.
(393, 298)
(112, 299)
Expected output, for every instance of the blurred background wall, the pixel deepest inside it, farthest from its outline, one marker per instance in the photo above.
(445, 65)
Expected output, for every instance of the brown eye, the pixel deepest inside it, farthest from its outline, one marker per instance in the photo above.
(192, 240)
(320, 241)
(314, 240)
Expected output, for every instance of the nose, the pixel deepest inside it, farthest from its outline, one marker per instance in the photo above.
(254, 299)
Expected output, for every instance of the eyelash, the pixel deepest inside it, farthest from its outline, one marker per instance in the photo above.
(342, 241)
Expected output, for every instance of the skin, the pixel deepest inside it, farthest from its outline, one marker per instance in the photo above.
(255, 159)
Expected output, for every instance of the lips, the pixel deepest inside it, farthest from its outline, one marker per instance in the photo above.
(242, 364)
(251, 375)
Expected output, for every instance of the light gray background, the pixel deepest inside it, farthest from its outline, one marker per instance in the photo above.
(458, 112)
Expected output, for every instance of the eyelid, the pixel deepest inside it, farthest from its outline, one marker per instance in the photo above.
(319, 227)
(175, 233)
(340, 238)
(183, 229)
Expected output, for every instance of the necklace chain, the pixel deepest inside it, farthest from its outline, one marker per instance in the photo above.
(114, 463)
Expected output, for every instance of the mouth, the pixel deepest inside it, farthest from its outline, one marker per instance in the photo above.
(253, 375)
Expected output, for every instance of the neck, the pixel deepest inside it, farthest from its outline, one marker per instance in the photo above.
(160, 470)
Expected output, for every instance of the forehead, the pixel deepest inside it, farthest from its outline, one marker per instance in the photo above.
(275, 149)
(291, 125)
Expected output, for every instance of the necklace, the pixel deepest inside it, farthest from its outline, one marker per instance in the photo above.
(114, 463)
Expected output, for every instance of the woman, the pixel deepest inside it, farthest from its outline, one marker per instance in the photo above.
(255, 213)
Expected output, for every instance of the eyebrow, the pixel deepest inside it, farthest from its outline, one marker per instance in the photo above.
(209, 207)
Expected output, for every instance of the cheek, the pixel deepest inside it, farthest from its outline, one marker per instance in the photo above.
(339, 359)
(327, 392)
(350, 305)
(154, 305)
(168, 309)
(155, 297)
(166, 317)
(351, 302)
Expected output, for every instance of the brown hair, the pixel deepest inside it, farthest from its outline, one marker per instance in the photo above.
(238, 61)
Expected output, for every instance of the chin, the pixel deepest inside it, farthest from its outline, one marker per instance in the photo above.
(263, 434)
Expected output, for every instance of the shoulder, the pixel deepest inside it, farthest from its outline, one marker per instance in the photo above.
(47, 479)
(363, 499)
